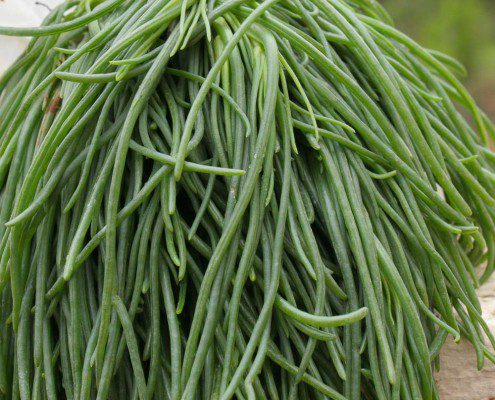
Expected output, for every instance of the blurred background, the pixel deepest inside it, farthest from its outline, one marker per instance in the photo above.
(464, 29)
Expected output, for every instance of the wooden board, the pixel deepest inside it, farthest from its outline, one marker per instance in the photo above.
(459, 378)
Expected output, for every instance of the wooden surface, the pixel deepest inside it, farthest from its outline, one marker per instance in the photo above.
(459, 378)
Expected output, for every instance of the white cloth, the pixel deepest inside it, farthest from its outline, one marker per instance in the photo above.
(20, 13)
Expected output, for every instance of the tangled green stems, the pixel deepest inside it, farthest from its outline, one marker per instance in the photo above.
(211, 200)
